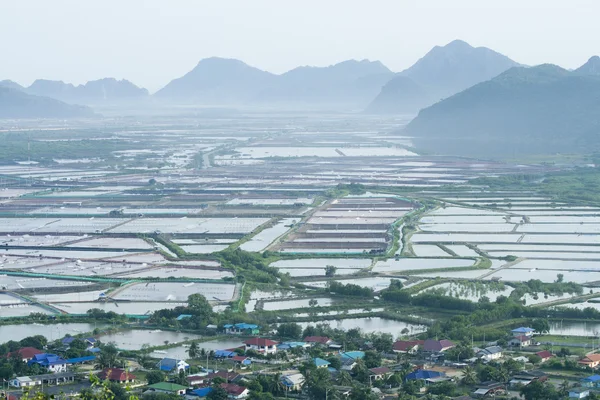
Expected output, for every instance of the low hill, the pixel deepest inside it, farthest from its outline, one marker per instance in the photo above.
(218, 81)
(16, 104)
(350, 82)
(543, 109)
(442, 72)
(93, 92)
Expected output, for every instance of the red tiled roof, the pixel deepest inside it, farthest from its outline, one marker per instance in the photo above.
(239, 358)
(590, 358)
(26, 352)
(228, 376)
(115, 374)
(544, 354)
(405, 345)
(437, 345)
(317, 339)
(260, 342)
(233, 389)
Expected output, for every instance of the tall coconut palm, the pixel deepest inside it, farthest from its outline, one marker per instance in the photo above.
(193, 350)
(469, 376)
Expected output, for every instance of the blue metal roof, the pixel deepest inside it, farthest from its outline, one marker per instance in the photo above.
(523, 330)
(319, 362)
(225, 353)
(202, 392)
(593, 378)
(353, 354)
(183, 316)
(423, 374)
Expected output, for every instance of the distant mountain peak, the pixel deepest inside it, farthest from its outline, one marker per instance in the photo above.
(591, 67)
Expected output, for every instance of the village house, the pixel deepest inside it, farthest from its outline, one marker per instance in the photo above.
(241, 329)
(26, 353)
(407, 346)
(167, 387)
(590, 361)
(521, 341)
(24, 382)
(544, 355)
(579, 393)
(265, 346)
(437, 346)
(523, 331)
(293, 382)
(379, 373)
(591, 381)
(320, 363)
(172, 365)
(526, 377)
(52, 362)
(317, 340)
(490, 353)
(234, 391)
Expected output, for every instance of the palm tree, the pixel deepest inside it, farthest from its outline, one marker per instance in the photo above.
(193, 350)
(469, 377)
(344, 379)
(563, 389)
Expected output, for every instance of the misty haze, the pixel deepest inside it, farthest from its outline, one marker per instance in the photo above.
(306, 200)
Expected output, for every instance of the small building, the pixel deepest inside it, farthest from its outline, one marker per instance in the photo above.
(172, 365)
(24, 382)
(579, 393)
(520, 341)
(195, 380)
(201, 392)
(225, 375)
(225, 353)
(489, 389)
(293, 382)
(116, 375)
(317, 340)
(320, 363)
(424, 375)
(292, 345)
(590, 361)
(544, 355)
(490, 353)
(52, 362)
(241, 361)
(234, 391)
(407, 346)
(26, 353)
(526, 377)
(523, 331)
(379, 373)
(591, 381)
(55, 379)
(261, 345)
(80, 360)
(181, 317)
(167, 387)
(437, 346)
(241, 329)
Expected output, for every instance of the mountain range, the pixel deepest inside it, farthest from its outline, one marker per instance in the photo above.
(536, 110)
(15, 103)
(442, 72)
(228, 81)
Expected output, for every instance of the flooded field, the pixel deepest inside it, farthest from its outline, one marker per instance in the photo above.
(136, 338)
(414, 264)
(375, 283)
(369, 325)
(174, 291)
(54, 331)
(298, 303)
(471, 291)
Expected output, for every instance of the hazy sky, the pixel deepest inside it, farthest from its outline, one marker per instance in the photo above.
(151, 42)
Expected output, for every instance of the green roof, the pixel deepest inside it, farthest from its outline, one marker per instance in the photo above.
(167, 386)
